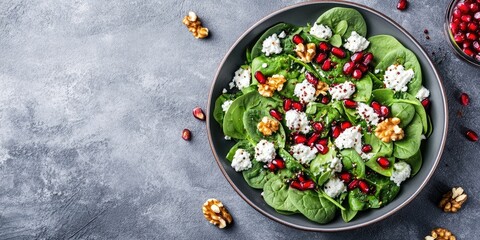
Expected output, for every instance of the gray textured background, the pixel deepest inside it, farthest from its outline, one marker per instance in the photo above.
(93, 98)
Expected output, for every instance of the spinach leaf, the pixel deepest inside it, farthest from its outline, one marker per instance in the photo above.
(364, 89)
(319, 165)
(242, 144)
(352, 161)
(275, 65)
(357, 201)
(378, 146)
(257, 48)
(257, 175)
(352, 17)
(415, 162)
(404, 111)
(385, 189)
(347, 213)
(410, 144)
(336, 40)
(341, 28)
(218, 111)
(275, 194)
(381, 45)
(290, 162)
(313, 205)
(383, 96)
(419, 109)
(251, 118)
(372, 163)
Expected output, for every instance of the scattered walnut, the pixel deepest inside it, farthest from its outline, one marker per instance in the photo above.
(388, 130)
(322, 88)
(195, 26)
(306, 55)
(273, 83)
(452, 200)
(268, 126)
(216, 213)
(440, 234)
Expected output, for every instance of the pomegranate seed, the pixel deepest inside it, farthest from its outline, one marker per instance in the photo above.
(367, 148)
(321, 57)
(270, 166)
(311, 78)
(463, 7)
(297, 39)
(476, 46)
(324, 47)
(425, 31)
(357, 74)
(477, 16)
(468, 52)
(473, 7)
(376, 106)
(471, 135)
(287, 104)
(463, 26)
(457, 13)
(362, 67)
(308, 184)
(325, 100)
(346, 177)
(323, 141)
(322, 148)
(459, 37)
(464, 99)
(260, 77)
(349, 103)
(301, 177)
(339, 52)
(363, 186)
(357, 57)
(472, 27)
(298, 106)
(471, 36)
(425, 103)
(455, 28)
(383, 162)
(402, 5)
(186, 134)
(276, 114)
(311, 141)
(353, 184)
(317, 126)
(327, 65)
(279, 163)
(367, 59)
(299, 139)
(384, 111)
(348, 68)
(477, 57)
(296, 185)
(198, 113)
(345, 124)
(336, 131)
(466, 44)
(466, 18)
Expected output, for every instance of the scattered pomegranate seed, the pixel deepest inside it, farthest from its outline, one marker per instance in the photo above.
(327, 65)
(367, 59)
(471, 135)
(471, 36)
(384, 111)
(346, 177)
(297, 39)
(466, 18)
(198, 113)
(425, 31)
(322, 149)
(260, 77)
(376, 106)
(464, 99)
(287, 104)
(296, 185)
(321, 57)
(298, 106)
(311, 78)
(402, 5)
(425, 103)
(279, 163)
(459, 38)
(463, 7)
(367, 148)
(476, 46)
(308, 184)
(353, 184)
(363, 186)
(357, 74)
(299, 139)
(323, 141)
(357, 57)
(348, 68)
(383, 162)
(336, 131)
(468, 52)
(324, 47)
(276, 114)
(325, 100)
(339, 52)
(361, 67)
(349, 103)
(345, 124)
(301, 177)
(270, 166)
(317, 126)
(186, 134)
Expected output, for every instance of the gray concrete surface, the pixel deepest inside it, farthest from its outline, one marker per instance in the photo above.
(93, 98)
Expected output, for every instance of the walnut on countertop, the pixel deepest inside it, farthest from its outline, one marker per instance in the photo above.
(216, 213)
(440, 234)
(452, 200)
(195, 26)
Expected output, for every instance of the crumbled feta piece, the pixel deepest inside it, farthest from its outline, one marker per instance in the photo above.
(422, 93)
(271, 45)
(264, 151)
(401, 171)
(227, 137)
(224, 90)
(241, 78)
(397, 78)
(376, 71)
(350, 138)
(226, 105)
(304, 154)
(305, 91)
(423, 137)
(334, 187)
(342, 91)
(241, 160)
(336, 164)
(356, 43)
(297, 121)
(368, 114)
(321, 31)
(231, 84)
(282, 34)
(264, 65)
(366, 156)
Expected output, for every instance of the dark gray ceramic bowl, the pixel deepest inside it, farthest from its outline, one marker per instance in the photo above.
(378, 23)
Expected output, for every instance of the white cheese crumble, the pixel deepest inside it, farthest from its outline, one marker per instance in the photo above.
(264, 65)
(401, 171)
(241, 160)
(342, 91)
(368, 114)
(226, 105)
(282, 34)
(224, 90)
(241, 79)
(397, 78)
(356, 43)
(422, 93)
(334, 187)
(336, 164)
(264, 151)
(271, 45)
(304, 154)
(297, 121)
(321, 31)
(376, 71)
(227, 137)
(350, 138)
(305, 91)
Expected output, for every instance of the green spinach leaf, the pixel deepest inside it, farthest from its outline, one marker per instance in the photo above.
(312, 205)
(352, 17)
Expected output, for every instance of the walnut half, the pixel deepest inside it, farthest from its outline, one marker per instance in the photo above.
(273, 83)
(195, 26)
(306, 55)
(440, 234)
(388, 130)
(216, 213)
(268, 126)
(452, 200)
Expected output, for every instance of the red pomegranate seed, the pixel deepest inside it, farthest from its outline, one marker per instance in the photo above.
(323, 141)
(311, 78)
(336, 131)
(466, 44)
(466, 18)
(362, 67)
(459, 37)
(471, 135)
(339, 52)
(425, 103)
(463, 7)
(186, 134)
(346, 177)
(384, 111)
(477, 57)
(367, 148)
(198, 113)
(287, 104)
(476, 46)
(473, 7)
(367, 59)
(383, 162)
(345, 124)
(298, 106)
(322, 148)
(464, 99)
(308, 184)
(297, 39)
(317, 126)
(348, 68)
(325, 100)
(270, 166)
(472, 27)
(260, 77)
(477, 16)
(471, 36)
(327, 65)
(321, 57)
(363, 186)
(313, 138)
(468, 52)
(353, 184)
(376, 106)
(349, 103)
(299, 139)
(296, 185)
(324, 47)
(276, 114)
(279, 163)
(402, 5)
(357, 74)
(455, 28)
(357, 57)
(463, 26)
(457, 13)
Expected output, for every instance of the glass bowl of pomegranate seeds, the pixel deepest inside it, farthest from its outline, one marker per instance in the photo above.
(463, 29)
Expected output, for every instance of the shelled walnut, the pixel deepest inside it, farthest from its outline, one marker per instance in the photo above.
(388, 130)
(322, 88)
(268, 126)
(306, 53)
(216, 213)
(440, 234)
(195, 26)
(273, 83)
(452, 200)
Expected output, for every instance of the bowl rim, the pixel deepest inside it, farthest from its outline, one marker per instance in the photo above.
(319, 228)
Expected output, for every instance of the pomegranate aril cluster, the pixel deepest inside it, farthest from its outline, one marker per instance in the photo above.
(465, 27)
(322, 57)
(302, 183)
(358, 65)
